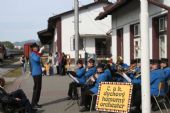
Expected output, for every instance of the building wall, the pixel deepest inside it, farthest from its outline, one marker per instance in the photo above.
(88, 25)
(127, 16)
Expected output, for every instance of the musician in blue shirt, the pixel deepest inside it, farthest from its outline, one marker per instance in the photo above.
(166, 69)
(157, 76)
(80, 76)
(99, 77)
(91, 70)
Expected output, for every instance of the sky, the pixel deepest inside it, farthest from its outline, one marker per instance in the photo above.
(20, 20)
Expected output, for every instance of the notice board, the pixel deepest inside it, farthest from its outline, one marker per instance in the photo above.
(114, 97)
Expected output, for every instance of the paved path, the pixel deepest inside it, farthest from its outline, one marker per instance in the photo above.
(53, 96)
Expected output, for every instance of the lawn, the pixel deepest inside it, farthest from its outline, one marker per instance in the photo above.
(14, 73)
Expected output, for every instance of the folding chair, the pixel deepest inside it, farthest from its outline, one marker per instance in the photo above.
(168, 83)
(159, 98)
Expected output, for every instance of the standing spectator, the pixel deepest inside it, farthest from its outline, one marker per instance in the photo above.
(60, 63)
(50, 59)
(64, 63)
(36, 71)
(56, 62)
(23, 64)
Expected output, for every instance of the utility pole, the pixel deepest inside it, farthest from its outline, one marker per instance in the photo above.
(76, 27)
(145, 68)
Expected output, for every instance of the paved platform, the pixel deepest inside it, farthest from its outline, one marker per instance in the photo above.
(54, 94)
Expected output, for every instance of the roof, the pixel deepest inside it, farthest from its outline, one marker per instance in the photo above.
(45, 36)
(81, 8)
(116, 6)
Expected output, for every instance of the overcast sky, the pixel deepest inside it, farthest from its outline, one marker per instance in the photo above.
(21, 19)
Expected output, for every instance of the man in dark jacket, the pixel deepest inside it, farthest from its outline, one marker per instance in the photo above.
(16, 99)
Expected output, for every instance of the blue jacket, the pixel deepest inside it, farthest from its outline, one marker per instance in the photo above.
(90, 72)
(101, 78)
(135, 80)
(125, 66)
(167, 78)
(109, 75)
(35, 61)
(167, 73)
(156, 76)
(80, 75)
(133, 77)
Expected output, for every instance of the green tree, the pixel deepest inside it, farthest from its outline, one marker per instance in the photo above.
(8, 44)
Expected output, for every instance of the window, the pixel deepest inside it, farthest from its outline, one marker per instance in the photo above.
(72, 43)
(162, 24)
(137, 47)
(136, 30)
(162, 46)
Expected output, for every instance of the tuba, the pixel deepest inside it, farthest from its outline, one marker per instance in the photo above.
(118, 66)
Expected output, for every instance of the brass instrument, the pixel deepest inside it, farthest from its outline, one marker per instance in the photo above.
(91, 80)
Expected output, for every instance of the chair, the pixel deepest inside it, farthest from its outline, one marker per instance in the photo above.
(168, 83)
(159, 98)
(92, 101)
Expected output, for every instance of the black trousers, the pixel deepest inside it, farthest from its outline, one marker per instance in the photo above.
(136, 96)
(72, 92)
(86, 98)
(23, 102)
(36, 89)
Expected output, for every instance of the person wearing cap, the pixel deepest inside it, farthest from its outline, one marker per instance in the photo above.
(108, 71)
(80, 72)
(156, 77)
(36, 72)
(99, 77)
(91, 69)
(166, 69)
(17, 98)
(164, 66)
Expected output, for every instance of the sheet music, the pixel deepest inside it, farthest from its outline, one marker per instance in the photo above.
(126, 77)
(74, 78)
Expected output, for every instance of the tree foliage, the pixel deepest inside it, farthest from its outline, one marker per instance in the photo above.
(8, 44)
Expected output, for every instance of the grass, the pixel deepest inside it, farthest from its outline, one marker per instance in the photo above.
(14, 73)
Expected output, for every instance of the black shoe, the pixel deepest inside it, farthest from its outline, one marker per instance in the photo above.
(36, 106)
(34, 109)
(155, 108)
(84, 109)
(75, 98)
(69, 98)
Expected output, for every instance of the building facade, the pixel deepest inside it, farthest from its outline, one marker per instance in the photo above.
(93, 38)
(125, 33)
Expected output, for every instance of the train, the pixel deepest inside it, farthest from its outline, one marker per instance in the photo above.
(12, 52)
(6, 52)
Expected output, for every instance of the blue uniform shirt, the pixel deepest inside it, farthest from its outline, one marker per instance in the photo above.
(80, 73)
(101, 78)
(156, 76)
(167, 73)
(167, 77)
(109, 75)
(35, 61)
(90, 72)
